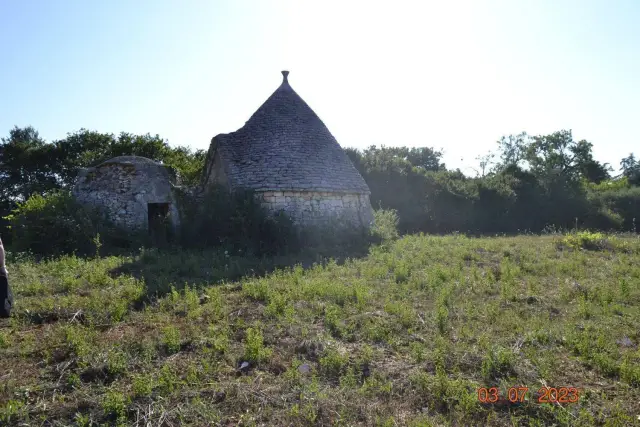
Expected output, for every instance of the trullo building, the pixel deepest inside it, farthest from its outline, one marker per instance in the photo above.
(286, 155)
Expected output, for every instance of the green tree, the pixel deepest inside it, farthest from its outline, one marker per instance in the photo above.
(631, 169)
(512, 150)
(547, 156)
(559, 153)
(86, 148)
(26, 165)
(80, 149)
(189, 164)
(425, 158)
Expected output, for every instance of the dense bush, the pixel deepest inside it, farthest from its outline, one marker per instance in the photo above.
(234, 220)
(510, 200)
(50, 224)
(621, 203)
(56, 224)
(385, 225)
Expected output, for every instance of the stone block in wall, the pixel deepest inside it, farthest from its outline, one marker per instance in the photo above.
(318, 207)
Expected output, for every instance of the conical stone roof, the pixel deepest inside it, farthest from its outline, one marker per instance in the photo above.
(285, 146)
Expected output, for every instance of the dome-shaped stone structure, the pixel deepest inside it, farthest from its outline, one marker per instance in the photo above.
(133, 192)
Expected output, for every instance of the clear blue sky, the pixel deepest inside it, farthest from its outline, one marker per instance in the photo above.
(449, 74)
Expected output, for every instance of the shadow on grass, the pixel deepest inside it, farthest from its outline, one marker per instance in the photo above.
(163, 269)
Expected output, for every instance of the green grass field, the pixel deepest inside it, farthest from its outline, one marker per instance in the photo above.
(404, 336)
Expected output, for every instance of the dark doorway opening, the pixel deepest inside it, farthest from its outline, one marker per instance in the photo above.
(159, 225)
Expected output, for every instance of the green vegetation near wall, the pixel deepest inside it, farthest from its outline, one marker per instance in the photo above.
(530, 184)
(535, 183)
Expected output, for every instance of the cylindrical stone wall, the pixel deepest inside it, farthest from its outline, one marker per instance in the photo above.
(319, 208)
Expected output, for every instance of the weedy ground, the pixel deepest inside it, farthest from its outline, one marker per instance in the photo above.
(403, 336)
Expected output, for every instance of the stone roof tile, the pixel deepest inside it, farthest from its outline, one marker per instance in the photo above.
(285, 145)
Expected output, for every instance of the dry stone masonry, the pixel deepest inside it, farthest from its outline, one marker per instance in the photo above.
(315, 207)
(125, 188)
(286, 154)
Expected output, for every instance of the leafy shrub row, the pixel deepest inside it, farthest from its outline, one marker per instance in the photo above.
(512, 200)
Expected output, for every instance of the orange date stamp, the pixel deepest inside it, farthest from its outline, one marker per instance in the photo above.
(520, 394)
